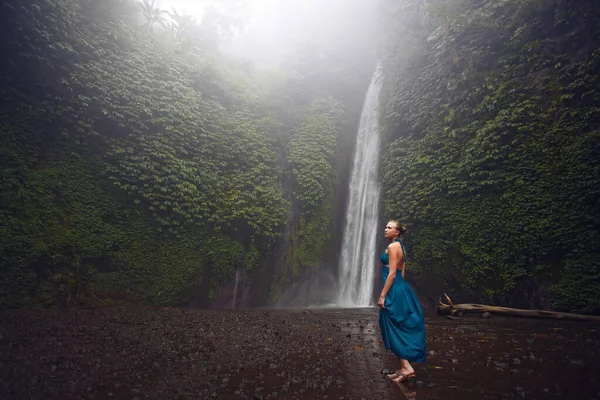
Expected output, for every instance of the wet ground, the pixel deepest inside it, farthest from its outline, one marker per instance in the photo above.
(139, 353)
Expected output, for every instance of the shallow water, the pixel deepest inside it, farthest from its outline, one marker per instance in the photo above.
(468, 358)
(166, 353)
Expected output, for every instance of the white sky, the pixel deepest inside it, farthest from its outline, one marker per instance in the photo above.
(274, 26)
(256, 8)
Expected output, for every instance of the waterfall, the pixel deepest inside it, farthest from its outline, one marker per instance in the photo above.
(235, 288)
(357, 261)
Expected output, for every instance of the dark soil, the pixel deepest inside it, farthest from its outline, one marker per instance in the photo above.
(153, 353)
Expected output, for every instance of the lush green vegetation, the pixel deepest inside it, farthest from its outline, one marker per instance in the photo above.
(138, 165)
(313, 158)
(492, 112)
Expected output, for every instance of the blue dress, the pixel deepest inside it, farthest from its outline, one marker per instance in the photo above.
(401, 321)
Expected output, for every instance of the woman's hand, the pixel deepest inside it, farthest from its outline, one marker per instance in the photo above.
(381, 302)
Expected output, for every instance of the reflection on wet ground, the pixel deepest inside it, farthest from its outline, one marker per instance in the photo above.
(167, 353)
(468, 358)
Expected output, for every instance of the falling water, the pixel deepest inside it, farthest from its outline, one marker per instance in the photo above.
(357, 262)
(235, 288)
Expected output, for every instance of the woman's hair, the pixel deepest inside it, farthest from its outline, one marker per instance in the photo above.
(401, 228)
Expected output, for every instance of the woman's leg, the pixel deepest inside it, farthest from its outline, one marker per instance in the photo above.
(406, 371)
(406, 368)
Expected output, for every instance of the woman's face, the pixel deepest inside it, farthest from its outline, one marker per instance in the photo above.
(391, 229)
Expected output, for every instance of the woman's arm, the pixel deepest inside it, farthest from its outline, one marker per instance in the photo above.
(393, 254)
(401, 257)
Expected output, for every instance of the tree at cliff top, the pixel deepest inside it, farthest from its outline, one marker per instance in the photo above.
(492, 111)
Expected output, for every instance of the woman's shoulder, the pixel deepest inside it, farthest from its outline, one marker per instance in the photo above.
(394, 245)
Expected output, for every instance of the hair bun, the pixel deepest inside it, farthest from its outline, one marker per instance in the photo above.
(403, 229)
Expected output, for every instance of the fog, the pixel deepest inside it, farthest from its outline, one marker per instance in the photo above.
(272, 30)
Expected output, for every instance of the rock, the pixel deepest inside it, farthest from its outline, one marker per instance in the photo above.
(520, 391)
(224, 346)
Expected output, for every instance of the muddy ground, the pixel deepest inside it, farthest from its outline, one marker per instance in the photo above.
(158, 353)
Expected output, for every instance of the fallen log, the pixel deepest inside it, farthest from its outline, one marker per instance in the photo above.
(452, 309)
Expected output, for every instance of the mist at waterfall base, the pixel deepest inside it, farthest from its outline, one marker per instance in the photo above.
(353, 284)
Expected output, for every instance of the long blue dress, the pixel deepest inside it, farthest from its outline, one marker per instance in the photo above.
(401, 321)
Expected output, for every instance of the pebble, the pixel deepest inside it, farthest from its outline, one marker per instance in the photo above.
(214, 354)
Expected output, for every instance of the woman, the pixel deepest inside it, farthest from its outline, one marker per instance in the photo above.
(400, 315)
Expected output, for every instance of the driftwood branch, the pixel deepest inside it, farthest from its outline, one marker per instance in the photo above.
(449, 301)
(96, 297)
(456, 310)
